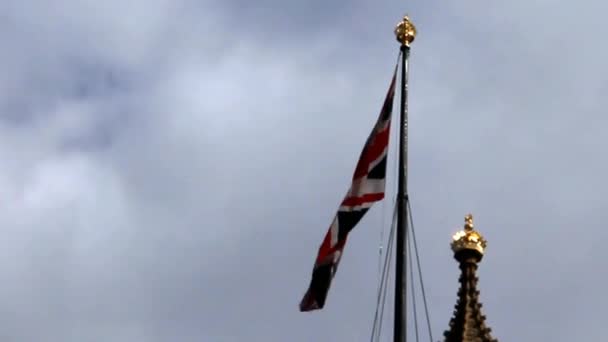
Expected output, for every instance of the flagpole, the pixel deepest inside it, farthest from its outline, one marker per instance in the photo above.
(405, 32)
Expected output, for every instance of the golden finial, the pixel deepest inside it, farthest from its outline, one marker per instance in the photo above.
(405, 31)
(468, 222)
(469, 238)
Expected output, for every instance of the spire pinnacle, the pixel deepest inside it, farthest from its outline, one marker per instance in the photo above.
(468, 322)
(405, 31)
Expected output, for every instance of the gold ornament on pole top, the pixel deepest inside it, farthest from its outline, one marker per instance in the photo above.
(405, 31)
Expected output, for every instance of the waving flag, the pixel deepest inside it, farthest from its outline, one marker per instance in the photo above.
(367, 187)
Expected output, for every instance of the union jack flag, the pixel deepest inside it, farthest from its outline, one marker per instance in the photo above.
(368, 184)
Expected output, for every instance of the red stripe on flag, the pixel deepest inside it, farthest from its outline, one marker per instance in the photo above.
(325, 247)
(327, 250)
(371, 152)
(360, 200)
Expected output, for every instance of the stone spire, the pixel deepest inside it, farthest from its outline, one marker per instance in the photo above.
(468, 322)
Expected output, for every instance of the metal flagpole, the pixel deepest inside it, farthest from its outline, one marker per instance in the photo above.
(405, 32)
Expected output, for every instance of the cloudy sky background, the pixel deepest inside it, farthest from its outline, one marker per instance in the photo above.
(168, 168)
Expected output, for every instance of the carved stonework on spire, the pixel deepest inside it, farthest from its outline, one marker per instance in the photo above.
(468, 322)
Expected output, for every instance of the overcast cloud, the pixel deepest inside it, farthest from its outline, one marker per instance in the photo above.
(169, 168)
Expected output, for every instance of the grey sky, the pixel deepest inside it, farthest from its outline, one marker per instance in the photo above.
(170, 167)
